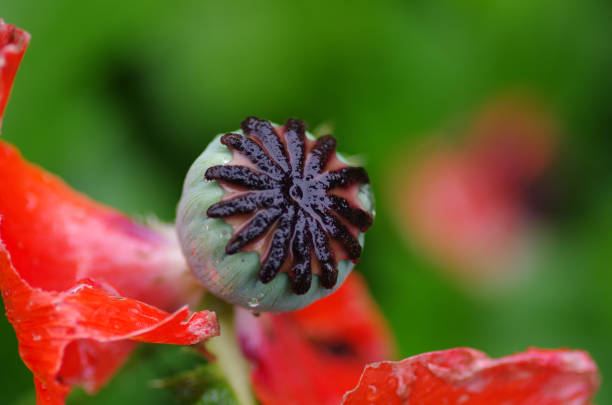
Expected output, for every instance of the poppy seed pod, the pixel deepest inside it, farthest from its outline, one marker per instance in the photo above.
(271, 218)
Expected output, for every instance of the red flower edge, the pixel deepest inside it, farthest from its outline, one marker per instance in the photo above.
(13, 43)
(46, 323)
(314, 355)
(468, 377)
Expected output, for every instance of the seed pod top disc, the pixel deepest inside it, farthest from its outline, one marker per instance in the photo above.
(271, 218)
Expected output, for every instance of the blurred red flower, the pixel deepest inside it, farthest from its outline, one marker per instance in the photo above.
(466, 205)
(80, 281)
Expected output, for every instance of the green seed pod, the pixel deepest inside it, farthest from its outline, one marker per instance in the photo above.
(271, 218)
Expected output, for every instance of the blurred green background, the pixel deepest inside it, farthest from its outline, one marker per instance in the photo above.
(119, 97)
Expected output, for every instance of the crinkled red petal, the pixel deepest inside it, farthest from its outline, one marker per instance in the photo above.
(53, 239)
(468, 377)
(13, 43)
(56, 237)
(47, 322)
(314, 355)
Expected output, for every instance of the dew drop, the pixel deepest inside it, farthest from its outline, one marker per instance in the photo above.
(392, 383)
(253, 303)
(372, 393)
(36, 337)
(31, 201)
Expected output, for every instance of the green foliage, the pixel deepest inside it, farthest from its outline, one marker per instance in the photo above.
(205, 385)
(141, 377)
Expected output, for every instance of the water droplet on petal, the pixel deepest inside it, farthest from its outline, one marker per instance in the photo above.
(463, 398)
(31, 201)
(392, 383)
(372, 393)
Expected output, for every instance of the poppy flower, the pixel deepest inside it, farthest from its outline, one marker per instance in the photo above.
(81, 282)
(467, 205)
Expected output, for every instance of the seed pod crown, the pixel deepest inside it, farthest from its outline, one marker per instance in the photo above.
(289, 199)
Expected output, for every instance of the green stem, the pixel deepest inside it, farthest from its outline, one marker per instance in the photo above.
(227, 352)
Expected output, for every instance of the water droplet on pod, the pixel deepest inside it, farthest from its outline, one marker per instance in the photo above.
(253, 303)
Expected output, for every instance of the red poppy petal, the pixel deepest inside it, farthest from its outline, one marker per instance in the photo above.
(57, 237)
(46, 322)
(13, 43)
(314, 355)
(50, 394)
(468, 377)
